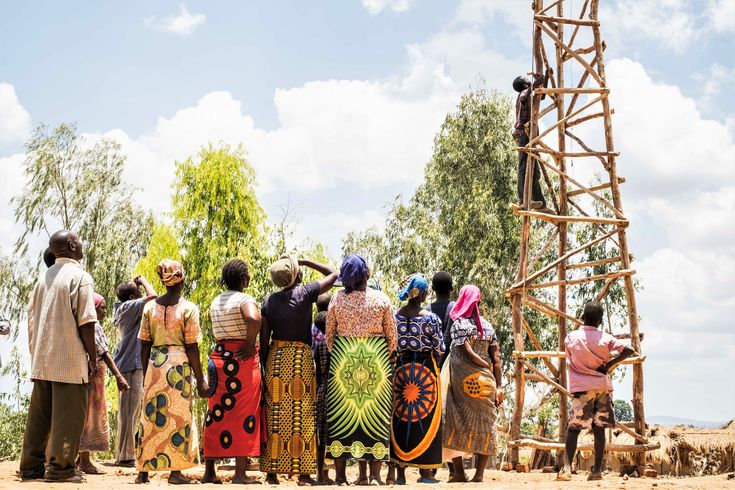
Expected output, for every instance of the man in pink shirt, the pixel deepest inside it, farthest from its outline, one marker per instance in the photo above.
(591, 354)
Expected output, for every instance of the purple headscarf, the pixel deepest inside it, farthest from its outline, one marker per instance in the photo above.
(353, 272)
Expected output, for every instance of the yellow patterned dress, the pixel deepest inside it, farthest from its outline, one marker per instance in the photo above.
(470, 411)
(167, 438)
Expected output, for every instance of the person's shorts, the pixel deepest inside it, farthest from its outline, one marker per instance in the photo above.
(591, 408)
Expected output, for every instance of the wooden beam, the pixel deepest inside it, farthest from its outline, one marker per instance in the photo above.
(568, 154)
(582, 119)
(536, 139)
(580, 84)
(631, 433)
(576, 28)
(549, 7)
(569, 90)
(561, 259)
(569, 50)
(605, 289)
(538, 354)
(573, 282)
(558, 446)
(580, 51)
(586, 148)
(555, 219)
(599, 198)
(594, 263)
(566, 20)
(537, 344)
(542, 307)
(548, 380)
(539, 404)
(594, 188)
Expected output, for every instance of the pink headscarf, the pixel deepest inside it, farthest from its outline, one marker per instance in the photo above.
(467, 306)
(98, 299)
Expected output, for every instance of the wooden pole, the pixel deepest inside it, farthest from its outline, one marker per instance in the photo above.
(638, 411)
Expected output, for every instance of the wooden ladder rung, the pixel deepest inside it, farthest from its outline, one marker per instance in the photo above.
(559, 446)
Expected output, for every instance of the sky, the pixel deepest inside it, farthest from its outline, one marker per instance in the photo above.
(337, 104)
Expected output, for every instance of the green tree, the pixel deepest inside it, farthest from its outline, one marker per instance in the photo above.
(623, 411)
(162, 245)
(217, 217)
(76, 184)
(458, 219)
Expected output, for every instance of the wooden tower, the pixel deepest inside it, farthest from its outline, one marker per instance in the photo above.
(567, 45)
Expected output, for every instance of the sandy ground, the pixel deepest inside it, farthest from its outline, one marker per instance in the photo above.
(123, 478)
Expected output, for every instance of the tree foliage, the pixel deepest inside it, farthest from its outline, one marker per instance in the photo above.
(623, 411)
(75, 184)
(458, 219)
(216, 217)
(162, 245)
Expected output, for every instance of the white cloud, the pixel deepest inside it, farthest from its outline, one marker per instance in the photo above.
(519, 15)
(670, 23)
(15, 121)
(377, 6)
(667, 147)
(183, 23)
(721, 14)
(712, 84)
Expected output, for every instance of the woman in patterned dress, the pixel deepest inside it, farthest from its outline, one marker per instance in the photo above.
(472, 395)
(96, 435)
(289, 377)
(167, 439)
(416, 436)
(233, 422)
(361, 337)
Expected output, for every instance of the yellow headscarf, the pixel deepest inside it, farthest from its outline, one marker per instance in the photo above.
(170, 271)
(284, 272)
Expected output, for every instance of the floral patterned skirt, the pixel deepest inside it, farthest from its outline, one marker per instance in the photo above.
(167, 437)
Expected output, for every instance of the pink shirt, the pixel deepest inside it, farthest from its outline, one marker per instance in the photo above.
(587, 349)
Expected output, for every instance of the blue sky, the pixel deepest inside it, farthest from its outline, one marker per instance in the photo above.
(338, 103)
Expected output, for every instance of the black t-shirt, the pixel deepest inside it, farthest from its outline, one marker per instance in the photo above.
(289, 312)
(442, 309)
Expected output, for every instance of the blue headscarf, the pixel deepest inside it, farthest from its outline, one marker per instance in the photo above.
(413, 286)
(354, 270)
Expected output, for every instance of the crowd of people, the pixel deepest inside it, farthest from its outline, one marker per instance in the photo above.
(417, 386)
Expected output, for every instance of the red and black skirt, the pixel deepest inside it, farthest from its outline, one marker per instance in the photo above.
(232, 427)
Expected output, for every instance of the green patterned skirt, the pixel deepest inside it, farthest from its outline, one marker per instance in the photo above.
(359, 399)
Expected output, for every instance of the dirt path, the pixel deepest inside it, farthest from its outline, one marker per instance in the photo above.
(123, 478)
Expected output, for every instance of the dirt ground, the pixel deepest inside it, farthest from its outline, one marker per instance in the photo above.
(123, 478)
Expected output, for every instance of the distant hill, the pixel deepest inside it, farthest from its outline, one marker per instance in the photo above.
(672, 421)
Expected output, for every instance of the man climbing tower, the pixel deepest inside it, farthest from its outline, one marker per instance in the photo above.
(525, 88)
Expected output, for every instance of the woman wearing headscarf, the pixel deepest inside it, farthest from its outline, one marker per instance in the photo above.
(472, 395)
(417, 409)
(96, 435)
(167, 438)
(290, 382)
(361, 337)
(233, 422)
